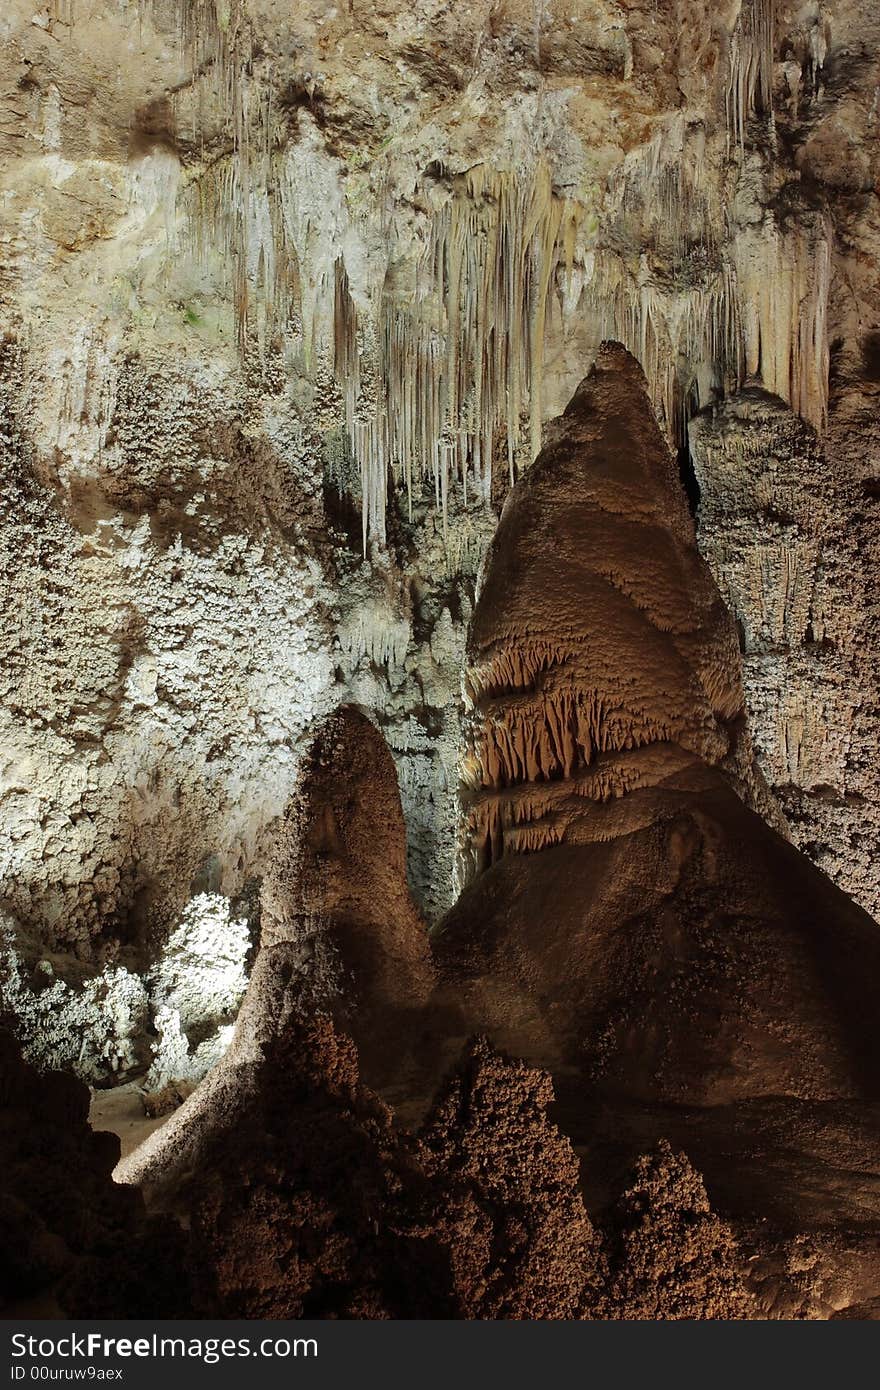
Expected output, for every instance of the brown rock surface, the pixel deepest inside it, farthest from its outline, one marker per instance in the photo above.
(314, 1205)
(635, 924)
(306, 1200)
(336, 897)
(73, 1242)
(510, 1180)
(671, 1257)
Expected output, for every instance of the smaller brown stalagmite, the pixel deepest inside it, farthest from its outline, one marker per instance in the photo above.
(341, 938)
(336, 899)
(631, 922)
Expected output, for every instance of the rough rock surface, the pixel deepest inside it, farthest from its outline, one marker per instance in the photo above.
(269, 278)
(520, 1242)
(290, 1196)
(312, 1204)
(305, 1199)
(671, 1255)
(336, 896)
(787, 529)
(74, 1242)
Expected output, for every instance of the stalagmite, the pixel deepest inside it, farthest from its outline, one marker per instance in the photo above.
(608, 841)
(544, 702)
(336, 901)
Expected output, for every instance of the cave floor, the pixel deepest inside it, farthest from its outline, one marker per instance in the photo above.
(120, 1111)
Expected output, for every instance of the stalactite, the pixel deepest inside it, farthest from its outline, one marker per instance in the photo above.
(461, 362)
(63, 12)
(467, 357)
(761, 313)
(672, 332)
(783, 282)
(547, 733)
(750, 76)
(383, 641)
(495, 250)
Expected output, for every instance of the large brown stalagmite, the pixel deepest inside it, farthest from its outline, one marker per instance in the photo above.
(600, 654)
(632, 922)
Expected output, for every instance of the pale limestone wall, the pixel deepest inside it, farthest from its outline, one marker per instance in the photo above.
(781, 523)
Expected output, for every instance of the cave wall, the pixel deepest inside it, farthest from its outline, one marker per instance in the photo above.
(287, 298)
(789, 532)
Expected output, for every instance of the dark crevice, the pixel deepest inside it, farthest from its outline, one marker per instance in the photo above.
(689, 479)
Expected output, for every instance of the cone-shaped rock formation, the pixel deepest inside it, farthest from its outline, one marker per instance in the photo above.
(341, 937)
(336, 903)
(631, 921)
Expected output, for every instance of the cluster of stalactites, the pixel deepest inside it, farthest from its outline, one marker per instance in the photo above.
(441, 387)
(541, 738)
(762, 314)
(551, 734)
(672, 333)
(750, 75)
(784, 280)
(212, 34)
(231, 210)
(62, 11)
(462, 364)
(429, 387)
